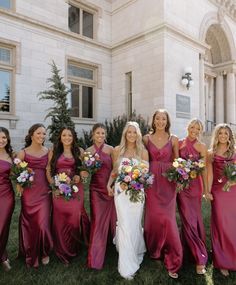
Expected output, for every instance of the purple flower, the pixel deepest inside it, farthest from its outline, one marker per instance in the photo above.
(88, 163)
(65, 188)
(181, 171)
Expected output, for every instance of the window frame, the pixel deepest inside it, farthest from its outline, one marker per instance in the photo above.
(12, 6)
(129, 92)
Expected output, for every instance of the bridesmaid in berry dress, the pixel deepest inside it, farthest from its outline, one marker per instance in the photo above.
(160, 227)
(7, 201)
(103, 215)
(69, 219)
(34, 224)
(190, 200)
(223, 210)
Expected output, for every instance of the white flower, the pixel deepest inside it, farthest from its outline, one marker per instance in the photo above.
(75, 188)
(17, 160)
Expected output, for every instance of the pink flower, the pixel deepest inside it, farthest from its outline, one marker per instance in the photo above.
(127, 178)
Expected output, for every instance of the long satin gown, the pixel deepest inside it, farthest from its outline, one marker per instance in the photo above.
(189, 204)
(7, 203)
(103, 215)
(160, 227)
(129, 238)
(68, 226)
(34, 225)
(223, 217)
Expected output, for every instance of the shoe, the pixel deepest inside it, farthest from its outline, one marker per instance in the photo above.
(45, 260)
(224, 272)
(6, 265)
(200, 269)
(173, 275)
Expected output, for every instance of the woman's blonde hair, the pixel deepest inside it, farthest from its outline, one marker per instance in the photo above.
(193, 122)
(231, 141)
(139, 142)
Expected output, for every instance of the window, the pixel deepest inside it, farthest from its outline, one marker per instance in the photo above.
(80, 21)
(82, 84)
(6, 78)
(128, 79)
(6, 4)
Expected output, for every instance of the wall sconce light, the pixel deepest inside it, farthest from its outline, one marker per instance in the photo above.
(187, 80)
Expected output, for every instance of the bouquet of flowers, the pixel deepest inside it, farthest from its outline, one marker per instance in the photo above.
(230, 174)
(91, 162)
(183, 171)
(64, 186)
(21, 175)
(134, 178)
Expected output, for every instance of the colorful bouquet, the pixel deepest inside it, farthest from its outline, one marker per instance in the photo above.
(64, 186)
(230, 173)
(134, 178)
(183, 171)
(91, 162)
(21, 175)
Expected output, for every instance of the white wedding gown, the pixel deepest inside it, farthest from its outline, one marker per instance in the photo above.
(129, 238)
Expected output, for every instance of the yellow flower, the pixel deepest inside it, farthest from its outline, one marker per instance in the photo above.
(193, 174)
(62, 177)
(175, 164)
(201, 164)
(23, 164)
(135, 176)
(128, 169)
(136, 172)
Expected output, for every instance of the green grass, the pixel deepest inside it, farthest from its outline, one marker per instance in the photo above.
(150, 273)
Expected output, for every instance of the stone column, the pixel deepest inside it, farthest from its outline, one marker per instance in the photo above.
(219, 99)
(201, 88)
(211, 99)
(230, 99)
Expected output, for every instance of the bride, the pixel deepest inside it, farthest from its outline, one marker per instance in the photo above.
(129, 233)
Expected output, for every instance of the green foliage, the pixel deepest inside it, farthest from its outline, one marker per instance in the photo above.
(59, 113)
(114, 129)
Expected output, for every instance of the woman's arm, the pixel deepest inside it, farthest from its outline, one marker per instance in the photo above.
(48, 168)
(209, 158)
(110, 183)
(175, 146)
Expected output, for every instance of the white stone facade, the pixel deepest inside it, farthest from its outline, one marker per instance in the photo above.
(153, 40)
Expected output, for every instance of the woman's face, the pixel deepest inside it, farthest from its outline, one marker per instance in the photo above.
(160, 121)
(99, 135)
(223, 136)
(3, 140)
(39, 135)
(131, 134)
(66, 137)
(194, 131)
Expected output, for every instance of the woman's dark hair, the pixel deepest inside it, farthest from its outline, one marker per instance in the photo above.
(98, 125)
(167, 128)
(8, 146)
(31, 131)
(58, 150)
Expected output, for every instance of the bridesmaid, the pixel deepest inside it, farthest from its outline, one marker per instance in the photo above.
(189, 200)
(160, 227)
(223, 210)
(67, 216)
(7, 201)
(103, 216)
(34, 224)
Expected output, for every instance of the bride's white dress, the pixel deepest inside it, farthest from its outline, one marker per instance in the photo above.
(129, 238)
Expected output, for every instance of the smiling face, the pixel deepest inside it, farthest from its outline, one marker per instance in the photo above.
(223, 136)
(39, 135)
(194, 131)
(131, 134)
(160, 121)
(66, 137)
(3, 140)
(99, 135)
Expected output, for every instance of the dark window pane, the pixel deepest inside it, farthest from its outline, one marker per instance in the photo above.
(80, 72)
(5, 4)
(74, 19)
(87, 24)
(5, 92)
(87, 102)
(5, 55)
(74, 100)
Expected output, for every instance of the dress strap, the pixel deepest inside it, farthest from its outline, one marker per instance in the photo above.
(98, 149)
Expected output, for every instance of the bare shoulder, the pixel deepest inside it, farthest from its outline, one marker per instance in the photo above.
(89, 149)
(108, 148)
(174, 139)
(21, 154)
(145, 138)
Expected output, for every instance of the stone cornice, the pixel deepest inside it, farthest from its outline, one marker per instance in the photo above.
(227, 6)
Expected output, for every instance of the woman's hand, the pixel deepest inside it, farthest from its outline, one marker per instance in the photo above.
(19, 189)
(84, 174)
(208, 196)
(110, 190)
(76, 179)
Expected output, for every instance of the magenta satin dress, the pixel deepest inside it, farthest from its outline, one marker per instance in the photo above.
(7, 203)
(160, 227)
(103, 215)
(189, 204)
(223, 218)
(69, 219)
(34, 225)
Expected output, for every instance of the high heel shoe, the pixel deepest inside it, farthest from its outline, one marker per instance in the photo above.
(200, 269)
(224, 272)
(6, 265)
(173, 275)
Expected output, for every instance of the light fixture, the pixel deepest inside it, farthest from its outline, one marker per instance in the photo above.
(187, 80)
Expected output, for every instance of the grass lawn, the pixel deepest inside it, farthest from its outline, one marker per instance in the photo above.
(151, 271)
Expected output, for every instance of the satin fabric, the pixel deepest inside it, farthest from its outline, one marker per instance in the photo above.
(34, 224)
(160, 227)
(103, 215)
(129, 238)
(189, 204)
(7, 203)
(223, 217)
(68, 217)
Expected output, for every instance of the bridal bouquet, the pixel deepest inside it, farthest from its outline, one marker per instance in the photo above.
(183, 171)
(64, 186)
(91, 162)
(230, 174)
(134, 177)
(21, 175)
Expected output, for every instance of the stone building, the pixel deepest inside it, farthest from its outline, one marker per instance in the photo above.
(119, 56)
